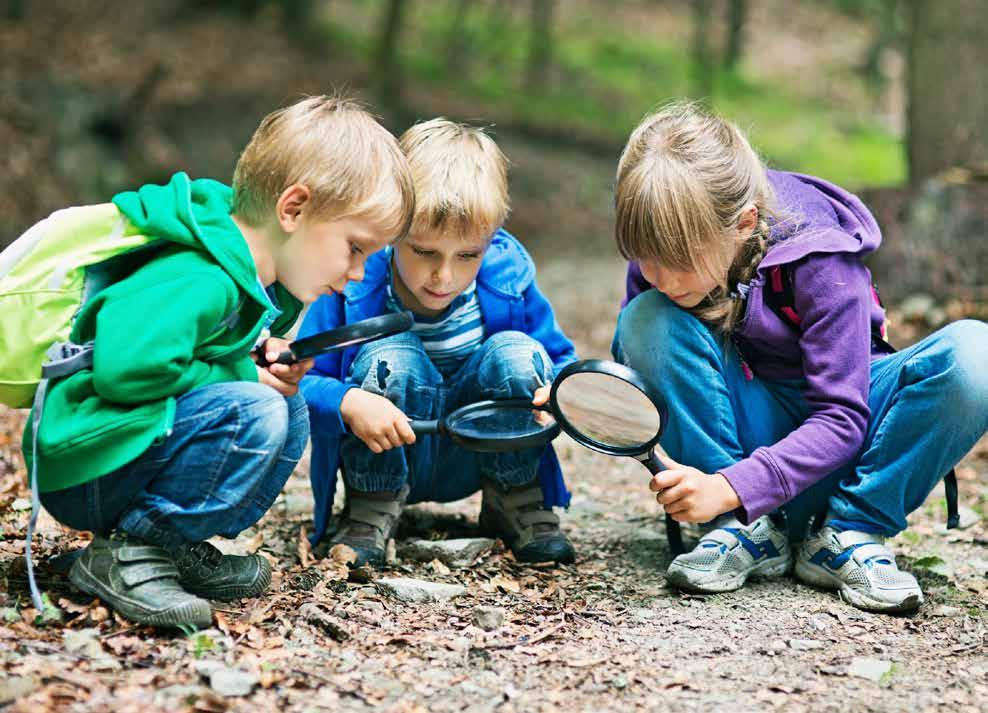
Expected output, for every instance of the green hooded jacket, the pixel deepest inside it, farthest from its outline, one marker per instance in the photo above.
(186, 318)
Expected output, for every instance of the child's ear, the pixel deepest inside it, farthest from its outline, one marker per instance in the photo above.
(290, 204)
(748, 220)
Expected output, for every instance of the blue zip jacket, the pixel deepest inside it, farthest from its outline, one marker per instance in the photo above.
(509, 300)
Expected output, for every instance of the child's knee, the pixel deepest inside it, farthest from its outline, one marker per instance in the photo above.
(264, 419)
(967, 341)
(651, 325)
(513, 365)
(391, 366)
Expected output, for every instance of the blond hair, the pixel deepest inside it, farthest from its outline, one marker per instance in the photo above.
(460, 177)
(349, 162)
(684, 180)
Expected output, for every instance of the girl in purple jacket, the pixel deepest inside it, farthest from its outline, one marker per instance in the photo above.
(787, 406)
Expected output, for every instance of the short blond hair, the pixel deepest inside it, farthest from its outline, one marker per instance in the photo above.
(684, 179)
(349, 162)
(460, 177)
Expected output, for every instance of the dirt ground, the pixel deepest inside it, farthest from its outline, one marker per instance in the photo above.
(605, 633)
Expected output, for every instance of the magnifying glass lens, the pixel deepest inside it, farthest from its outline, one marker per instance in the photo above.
(608, 409)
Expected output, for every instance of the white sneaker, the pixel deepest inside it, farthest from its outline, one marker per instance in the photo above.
(729, 554)
(861, 568)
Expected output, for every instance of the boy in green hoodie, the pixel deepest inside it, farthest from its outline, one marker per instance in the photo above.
(175, 434)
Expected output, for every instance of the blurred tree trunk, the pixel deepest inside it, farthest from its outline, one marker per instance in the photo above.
(737, 13)
(948, 93)
(14, 9)
(297, 13)
(702, 66)
(388, 73)
(455, 35)
(540, 44)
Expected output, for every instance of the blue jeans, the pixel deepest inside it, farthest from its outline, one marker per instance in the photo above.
(507, 365)
(929, 406)
(232, 447)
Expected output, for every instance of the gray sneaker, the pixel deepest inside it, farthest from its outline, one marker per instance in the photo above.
(861, 568)
(369, 521)
(208, 573)
(518, 516)
(731, 553)
(139, 581)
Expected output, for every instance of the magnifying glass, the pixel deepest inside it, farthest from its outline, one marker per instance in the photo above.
(610, 408)
(493, 426)
(349, 335)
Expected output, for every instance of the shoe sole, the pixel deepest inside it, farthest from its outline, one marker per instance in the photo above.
(810, 574)
(775, 567)
(196, 613)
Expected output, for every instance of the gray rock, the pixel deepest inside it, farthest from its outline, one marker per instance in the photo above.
(967, 517)
(20, 504)
(488, 618)
(454, 553)
(417, 590)
(917, 307)
(84, 642)
(778, 646)
(175, 697)
(872, 669)
(207, 668)
(805, 644)
(232, 682)
(14, 687)
(945, 610)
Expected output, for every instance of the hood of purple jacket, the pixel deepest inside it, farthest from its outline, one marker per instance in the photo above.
(815, 216)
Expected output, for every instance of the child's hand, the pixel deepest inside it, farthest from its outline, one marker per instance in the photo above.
(375, 420)
(690, 495)
(540, 398)
(283, 378)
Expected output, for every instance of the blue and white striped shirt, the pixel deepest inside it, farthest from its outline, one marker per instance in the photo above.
(453, 336)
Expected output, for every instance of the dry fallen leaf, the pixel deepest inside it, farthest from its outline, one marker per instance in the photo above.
(304, 549)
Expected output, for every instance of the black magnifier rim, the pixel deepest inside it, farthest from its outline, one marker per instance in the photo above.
(350, 335)
(620, 371)
(498, 445)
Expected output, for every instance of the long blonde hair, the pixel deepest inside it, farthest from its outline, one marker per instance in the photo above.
(684, 180)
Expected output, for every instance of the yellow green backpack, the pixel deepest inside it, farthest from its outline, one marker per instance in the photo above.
(46, 276)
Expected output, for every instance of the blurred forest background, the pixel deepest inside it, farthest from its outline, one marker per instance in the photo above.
(886, 97)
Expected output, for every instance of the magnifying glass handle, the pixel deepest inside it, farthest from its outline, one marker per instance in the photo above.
(424, 428)
(286, 357)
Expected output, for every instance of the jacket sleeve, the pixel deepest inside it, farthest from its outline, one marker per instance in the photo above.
(541, 325)
(833, 299)
(634, 283)
(145, 339)
(323, 387)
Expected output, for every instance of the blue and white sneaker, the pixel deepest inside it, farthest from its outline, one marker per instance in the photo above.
(860, 567)
(729, 554)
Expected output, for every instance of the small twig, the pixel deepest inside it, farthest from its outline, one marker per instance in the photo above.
(526, 642)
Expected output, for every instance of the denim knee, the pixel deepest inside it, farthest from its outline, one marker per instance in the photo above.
(512, 365)
(397, 368)
(653, 328)
(298, 427)
(966, 342)
(263, 418)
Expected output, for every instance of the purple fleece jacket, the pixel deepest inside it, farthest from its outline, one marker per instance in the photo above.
(822, 233)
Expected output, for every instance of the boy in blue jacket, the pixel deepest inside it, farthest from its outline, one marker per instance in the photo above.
(482, 331)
